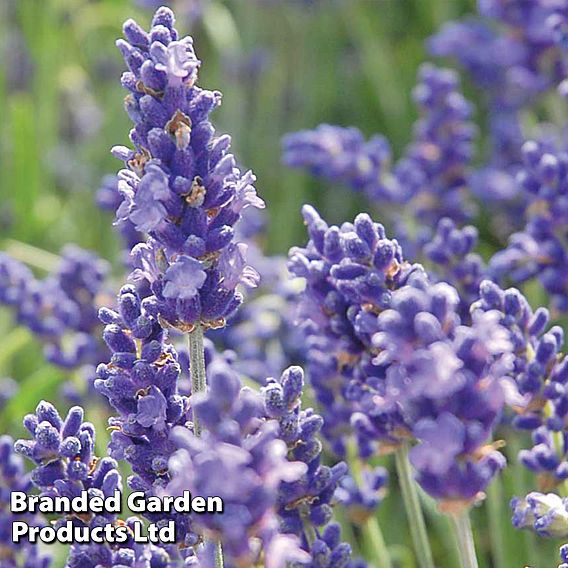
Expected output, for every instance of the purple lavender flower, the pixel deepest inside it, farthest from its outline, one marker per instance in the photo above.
(451, 255)
(432, 174)
(128, 554)
(435, 164)
(513, 52)
(362, 499)
(539, 373)
(240, 459)
(539, 250)
(63, 451)
(350, 273)
(564, 556)
(14, 478)
(140, 382)
(182, 186)
(447, 380)
(305, 504)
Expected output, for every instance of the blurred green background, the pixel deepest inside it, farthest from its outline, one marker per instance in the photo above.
(281, 65)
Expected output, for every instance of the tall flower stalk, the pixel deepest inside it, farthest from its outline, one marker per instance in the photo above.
(199, 386)
(413, 508)
(464, 537)
(197, 370)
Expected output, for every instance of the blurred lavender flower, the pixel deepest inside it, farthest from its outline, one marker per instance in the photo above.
(431, 176)
(62, 308)
(435, 164)
(8, 388)
(362, 499)
(14, 478)
(539, 250)
(182, 187)
(447, 381)
(545, 514)
(513, 53)
(342, 154)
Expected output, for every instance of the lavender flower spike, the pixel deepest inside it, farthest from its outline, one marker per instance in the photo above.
(239, 458)
(63, 451)
(449, 382)
(181, 185)
(140, 382)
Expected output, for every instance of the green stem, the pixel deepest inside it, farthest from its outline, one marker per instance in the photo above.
(199, 384)
(373, 539)
(464, 537)
(197, 369)
(497, 522)
(522, 487)
(413, 509)
(219, 562)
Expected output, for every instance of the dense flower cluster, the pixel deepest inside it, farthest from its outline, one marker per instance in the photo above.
(181, 185)
(408, 364)
(239, 458)
(140, 382)
(445, 378)
(427, 361)
(540, 373)
(350, 273)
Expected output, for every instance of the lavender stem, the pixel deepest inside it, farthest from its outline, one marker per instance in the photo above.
(199, 384)
(197, 369)
(373, 539)
(413, 509)
(464, 538)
